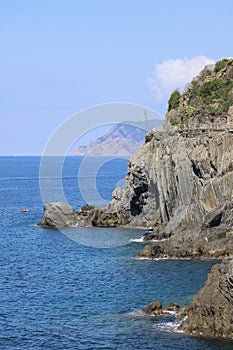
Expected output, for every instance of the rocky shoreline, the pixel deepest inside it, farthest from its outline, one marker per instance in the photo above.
(210, 314)
(192, 213)
(180, 183)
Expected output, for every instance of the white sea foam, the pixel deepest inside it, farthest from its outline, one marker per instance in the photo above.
(159, 240)
(170, 312)
(146, 258)
(140, 258)
(167, 326)
(137, 240)
(164, 325)
(170, 326)
(141, 240)
(136, 312)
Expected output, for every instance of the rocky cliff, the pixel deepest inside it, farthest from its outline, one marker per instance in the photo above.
(181, 184)
(211, 311)
(181, 181)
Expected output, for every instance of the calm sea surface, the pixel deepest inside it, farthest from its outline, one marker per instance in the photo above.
(58, 293)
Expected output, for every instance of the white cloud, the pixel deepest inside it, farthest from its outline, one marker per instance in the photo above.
(175, 73)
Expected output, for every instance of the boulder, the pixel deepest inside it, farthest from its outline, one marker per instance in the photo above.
(58, 215)
(172, 307)
(153, 309)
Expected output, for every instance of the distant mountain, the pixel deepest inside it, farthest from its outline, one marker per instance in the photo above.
(121, 140)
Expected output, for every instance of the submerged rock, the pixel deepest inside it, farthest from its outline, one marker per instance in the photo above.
(211, 311)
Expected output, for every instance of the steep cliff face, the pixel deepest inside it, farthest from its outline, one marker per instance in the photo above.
(176, 171)
(181, 181)
(211, 311)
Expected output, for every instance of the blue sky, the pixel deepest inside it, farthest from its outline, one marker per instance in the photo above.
(62, 56)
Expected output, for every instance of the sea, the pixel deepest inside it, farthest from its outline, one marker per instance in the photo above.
(59, 290)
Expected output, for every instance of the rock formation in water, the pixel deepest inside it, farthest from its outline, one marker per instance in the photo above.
(211, 310)
(58, 215)
(181, 184)
(155, 308)
(181, 181)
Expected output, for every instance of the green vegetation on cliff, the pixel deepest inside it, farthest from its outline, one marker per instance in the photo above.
(206, 99)
(174, 100)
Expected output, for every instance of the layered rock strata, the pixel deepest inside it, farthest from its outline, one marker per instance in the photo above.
(211, 311)
(181, 181)
(181, 184)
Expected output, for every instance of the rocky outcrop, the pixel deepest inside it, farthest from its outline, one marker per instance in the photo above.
(181, 181)
(211, 311)
(155, 308)
(181, 184)
(60, 214)
(57, 215)
(207, 101)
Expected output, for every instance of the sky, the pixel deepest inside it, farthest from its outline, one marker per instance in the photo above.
(62, 56)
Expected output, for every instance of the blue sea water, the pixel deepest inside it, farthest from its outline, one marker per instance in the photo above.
(56, 293)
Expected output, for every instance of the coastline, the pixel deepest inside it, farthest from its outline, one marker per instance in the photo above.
(180, 183)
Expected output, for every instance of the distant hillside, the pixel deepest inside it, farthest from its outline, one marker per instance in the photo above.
(121, 140)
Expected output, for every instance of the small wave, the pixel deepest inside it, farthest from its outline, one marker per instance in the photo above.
(164, 323)
(141, 240)
(140, 258)
(146, 258)
(135, 312)
(167, 326)
(170, 312)
(18, 178)
(137, 240)
(171, 326)
(158, 240)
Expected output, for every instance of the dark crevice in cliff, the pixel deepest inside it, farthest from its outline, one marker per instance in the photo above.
(216, 221)
(135, 207)
(166, 210)
(196, 170)
(141, 189)
(213, 167)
